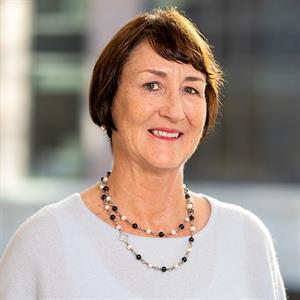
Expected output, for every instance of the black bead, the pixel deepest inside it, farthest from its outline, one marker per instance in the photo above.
(103, 196)
(181, 226)
(191, 239)
(102, 179)
(191, 211)
(138, 256)
(108, 173)
(184, 259)
(114, 208)
(192, 218)
(134, 225)
(161, 234)
(112, 217)
(163, 269)
(187, 196)
(105, 188)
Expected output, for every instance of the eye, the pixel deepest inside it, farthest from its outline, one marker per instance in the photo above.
(151, 86)
(190, 90)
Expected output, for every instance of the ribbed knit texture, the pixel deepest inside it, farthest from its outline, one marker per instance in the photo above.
(64, 251)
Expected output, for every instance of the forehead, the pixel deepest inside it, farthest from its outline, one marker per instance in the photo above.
(143, 57)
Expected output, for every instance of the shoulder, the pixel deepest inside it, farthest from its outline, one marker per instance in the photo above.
(40, 229)
(48, 215)
(35, 248)
(230, 215)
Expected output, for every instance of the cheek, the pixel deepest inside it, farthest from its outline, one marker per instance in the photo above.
(137, 114)
(197, 115)
(139, 107)
(130, 112)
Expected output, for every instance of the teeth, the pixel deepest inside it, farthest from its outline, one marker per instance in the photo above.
(165, 134)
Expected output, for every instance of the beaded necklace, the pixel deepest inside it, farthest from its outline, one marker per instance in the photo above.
(113, 211)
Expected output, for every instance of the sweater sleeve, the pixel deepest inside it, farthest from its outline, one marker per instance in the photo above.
(17, 274)
(22, 257)
(279, 288)
(259, 237)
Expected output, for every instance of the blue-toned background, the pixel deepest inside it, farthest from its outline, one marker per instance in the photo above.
(50, 147)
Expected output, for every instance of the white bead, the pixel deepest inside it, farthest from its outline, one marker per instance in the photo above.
(187, 219)
(123, 218)
(189, 249)
(176, 266)
(148, 231)
(107, 198)
(149, 266)
(101, 186)
(129, 247)
(184, 186)
(190, 205)
(193, 228)
(191, 200)
(106, 207)
(118, 227)
(105, 179)
(173, 232)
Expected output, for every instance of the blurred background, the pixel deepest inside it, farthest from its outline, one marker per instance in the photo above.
(50, 148)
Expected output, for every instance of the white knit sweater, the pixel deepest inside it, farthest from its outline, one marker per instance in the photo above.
(65, 252)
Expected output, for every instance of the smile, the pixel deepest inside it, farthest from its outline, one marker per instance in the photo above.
(165, 135)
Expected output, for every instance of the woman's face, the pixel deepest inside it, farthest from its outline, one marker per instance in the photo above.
(155, 98)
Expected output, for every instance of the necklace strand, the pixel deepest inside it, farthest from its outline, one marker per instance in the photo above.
(112, 211)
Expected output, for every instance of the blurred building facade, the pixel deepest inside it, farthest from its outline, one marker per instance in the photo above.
(256, 43)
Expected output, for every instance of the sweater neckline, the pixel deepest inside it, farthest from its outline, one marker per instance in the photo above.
(198, 234)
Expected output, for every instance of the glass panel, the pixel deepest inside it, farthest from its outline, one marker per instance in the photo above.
(257, 44)
(55, 134)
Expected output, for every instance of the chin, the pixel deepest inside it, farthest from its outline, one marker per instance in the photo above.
(166, 163)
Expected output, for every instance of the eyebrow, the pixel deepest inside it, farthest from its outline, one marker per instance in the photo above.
(164, 74)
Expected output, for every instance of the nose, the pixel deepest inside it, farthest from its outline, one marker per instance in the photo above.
(172, 107)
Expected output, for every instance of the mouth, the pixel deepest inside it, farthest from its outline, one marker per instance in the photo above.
(166, 135)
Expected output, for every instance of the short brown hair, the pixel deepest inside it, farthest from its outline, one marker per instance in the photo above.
(172, 36)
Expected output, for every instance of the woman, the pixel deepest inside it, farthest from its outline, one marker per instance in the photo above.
(139, 232)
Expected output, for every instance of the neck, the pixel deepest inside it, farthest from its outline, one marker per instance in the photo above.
(154, 200)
